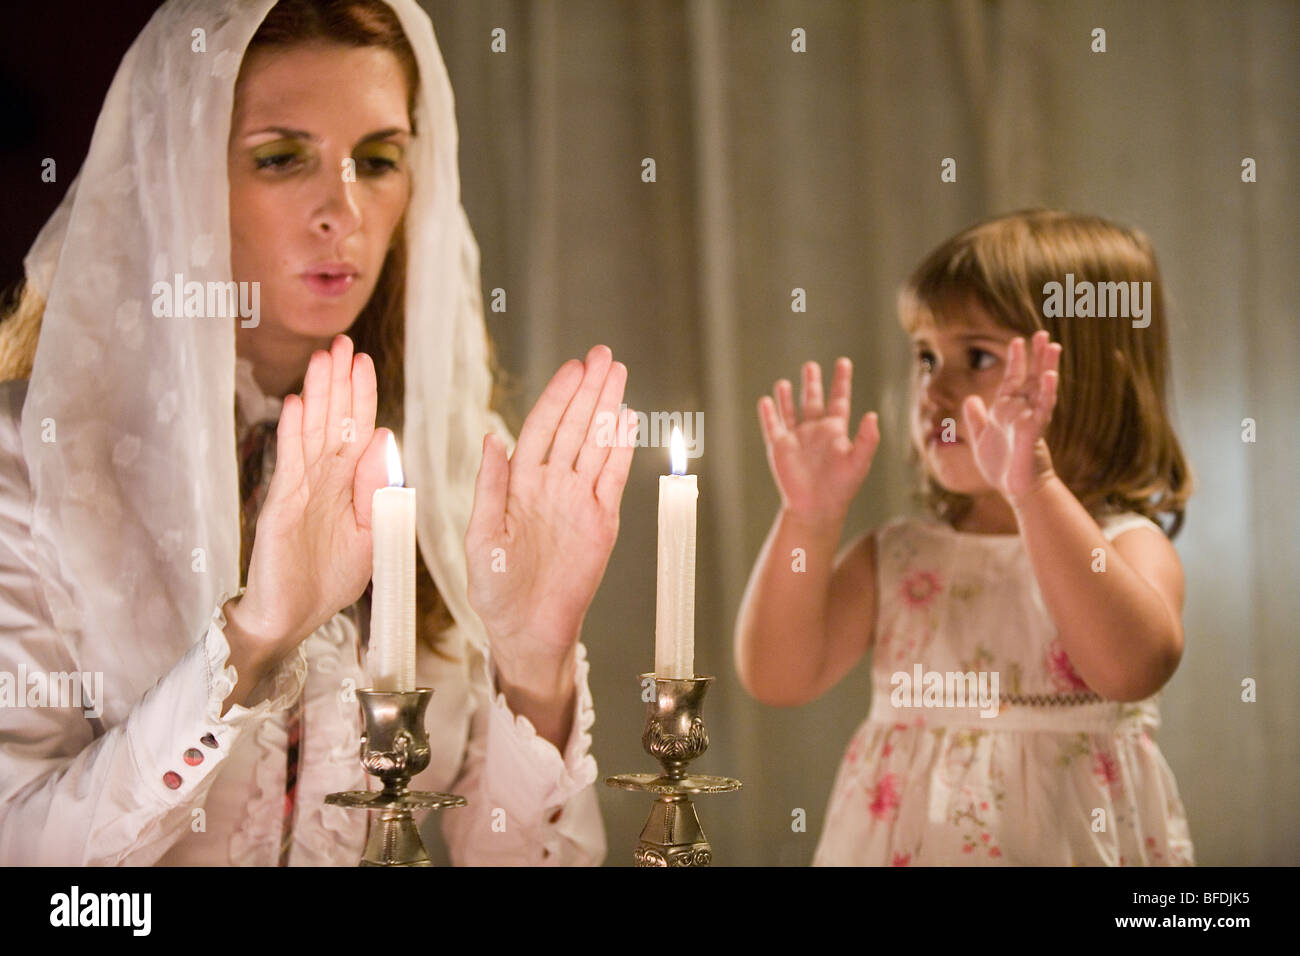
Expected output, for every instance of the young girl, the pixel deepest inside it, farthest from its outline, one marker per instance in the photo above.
(1039, 572)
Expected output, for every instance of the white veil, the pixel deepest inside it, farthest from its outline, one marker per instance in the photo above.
(128, 427)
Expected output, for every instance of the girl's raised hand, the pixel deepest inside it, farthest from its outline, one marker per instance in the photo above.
(1007, 438)
(817, 468)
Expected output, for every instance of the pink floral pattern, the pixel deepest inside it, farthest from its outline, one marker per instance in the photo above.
(884, 797)
(1061, 670)
(919, 589)
(923, 791)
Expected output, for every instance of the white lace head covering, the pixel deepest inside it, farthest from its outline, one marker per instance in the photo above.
(128, 427)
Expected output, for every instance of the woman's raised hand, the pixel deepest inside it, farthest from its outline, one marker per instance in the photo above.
(817, 468)
(1007, 437)
(312, 551)
(543, 525)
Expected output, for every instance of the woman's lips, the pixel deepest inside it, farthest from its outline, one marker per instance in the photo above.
(328, 285)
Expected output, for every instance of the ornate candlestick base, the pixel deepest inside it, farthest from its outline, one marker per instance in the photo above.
(395, 748)
(674, 735)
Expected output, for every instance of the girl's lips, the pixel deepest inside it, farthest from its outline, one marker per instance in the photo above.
(328, 285)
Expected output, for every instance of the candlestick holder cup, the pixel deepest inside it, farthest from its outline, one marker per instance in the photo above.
(674, 735)
(394, 748)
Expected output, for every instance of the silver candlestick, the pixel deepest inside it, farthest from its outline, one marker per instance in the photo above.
(395, 748)
(674, 735)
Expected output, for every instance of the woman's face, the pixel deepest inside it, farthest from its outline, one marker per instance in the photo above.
(318, 181)
(967, 357)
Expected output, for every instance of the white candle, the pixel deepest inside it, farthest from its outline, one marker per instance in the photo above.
(391, 656)
(675, 604)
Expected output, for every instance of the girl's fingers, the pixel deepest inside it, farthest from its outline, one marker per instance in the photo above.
(976, 416)
(1014, 380)
(841, 389)
(811, 396)
(866, 442)
(339, 406)
(1047, 401)
(769, 420)
(785, 402)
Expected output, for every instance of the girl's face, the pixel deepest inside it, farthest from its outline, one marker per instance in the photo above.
(318, 181)
(967, 357)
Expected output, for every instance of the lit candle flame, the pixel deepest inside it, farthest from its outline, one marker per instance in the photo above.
(678, 452)
(395, 476)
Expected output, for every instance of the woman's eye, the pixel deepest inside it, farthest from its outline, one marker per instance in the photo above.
(278, 155)
(376, 159)
(276, 161)
(377, 165)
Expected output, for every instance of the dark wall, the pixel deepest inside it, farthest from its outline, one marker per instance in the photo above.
(57, 59)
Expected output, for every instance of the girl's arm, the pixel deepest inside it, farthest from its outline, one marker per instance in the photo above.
(1121, 627)
(804, 621)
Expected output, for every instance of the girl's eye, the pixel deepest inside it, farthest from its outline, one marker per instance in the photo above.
(926, 360)
(975, 356)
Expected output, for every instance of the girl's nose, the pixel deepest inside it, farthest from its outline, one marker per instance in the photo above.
(337, 214)
(937, 387)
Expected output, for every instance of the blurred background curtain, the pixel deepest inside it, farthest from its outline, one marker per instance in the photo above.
(778, 170)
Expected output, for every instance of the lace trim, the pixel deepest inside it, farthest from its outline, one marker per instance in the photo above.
(330, 834)
(286, 683)
(579, 770)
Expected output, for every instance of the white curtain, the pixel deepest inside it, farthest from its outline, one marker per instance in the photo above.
(778, 170)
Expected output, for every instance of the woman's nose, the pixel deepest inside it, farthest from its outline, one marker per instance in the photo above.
(338, 213)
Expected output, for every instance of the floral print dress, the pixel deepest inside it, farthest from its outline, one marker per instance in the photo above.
(1058, 776)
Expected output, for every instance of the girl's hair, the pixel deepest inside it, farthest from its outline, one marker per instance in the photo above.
(1110, 436)
(380, 328)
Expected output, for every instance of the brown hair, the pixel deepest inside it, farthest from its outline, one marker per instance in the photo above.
(1110, 436)
(380, 328)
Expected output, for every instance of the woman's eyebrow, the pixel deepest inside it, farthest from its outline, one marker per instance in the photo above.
(384, 134)
(285, 132)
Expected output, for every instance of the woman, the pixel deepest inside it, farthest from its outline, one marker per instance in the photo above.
(228, 713)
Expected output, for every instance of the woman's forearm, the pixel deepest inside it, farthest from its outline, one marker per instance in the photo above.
(1118, 632)
(781, 627)
(542, 689)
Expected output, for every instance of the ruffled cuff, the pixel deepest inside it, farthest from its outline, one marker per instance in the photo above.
(524, 772)
(177, 734)
(273, 693)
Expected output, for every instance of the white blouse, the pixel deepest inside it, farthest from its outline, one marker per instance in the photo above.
(176, 783)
